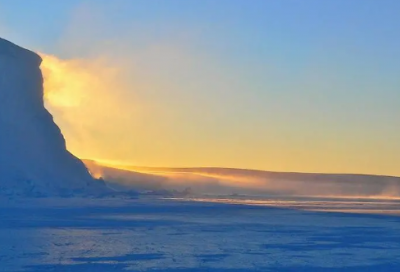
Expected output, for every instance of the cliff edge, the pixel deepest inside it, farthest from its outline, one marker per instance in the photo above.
(33, 155)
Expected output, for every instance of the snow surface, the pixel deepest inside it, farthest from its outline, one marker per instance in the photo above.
(33, 155)
(150, 234)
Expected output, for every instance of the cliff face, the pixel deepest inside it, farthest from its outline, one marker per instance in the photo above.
(33, 155)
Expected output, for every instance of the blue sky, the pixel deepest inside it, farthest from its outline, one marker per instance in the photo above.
(279, 85)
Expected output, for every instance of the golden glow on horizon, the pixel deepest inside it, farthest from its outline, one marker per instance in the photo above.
(94, 102)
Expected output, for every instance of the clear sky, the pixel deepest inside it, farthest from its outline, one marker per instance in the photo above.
(309, 86)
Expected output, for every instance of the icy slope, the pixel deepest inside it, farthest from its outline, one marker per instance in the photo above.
(33, 155)
(244, 181)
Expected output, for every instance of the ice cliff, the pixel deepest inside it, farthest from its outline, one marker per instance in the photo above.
(33, 155)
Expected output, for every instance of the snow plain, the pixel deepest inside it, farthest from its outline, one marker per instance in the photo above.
(149, 233)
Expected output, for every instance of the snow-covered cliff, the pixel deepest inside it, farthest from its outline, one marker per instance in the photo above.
(33, 155)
